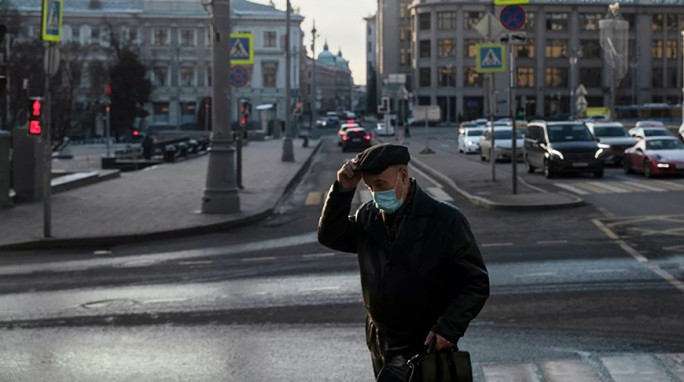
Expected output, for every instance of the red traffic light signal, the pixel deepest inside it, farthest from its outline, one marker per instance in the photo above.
(35, 115)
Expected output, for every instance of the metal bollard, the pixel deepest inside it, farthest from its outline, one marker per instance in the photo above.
(5, 137)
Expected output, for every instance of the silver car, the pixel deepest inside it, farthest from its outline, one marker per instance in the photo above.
(469, 140)
(503, 143)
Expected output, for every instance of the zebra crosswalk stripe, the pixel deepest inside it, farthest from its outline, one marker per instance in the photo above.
(635, 368)
(643, 186)
(439, 193)
(592, 188)
(522, 372)
(609, 187)
(568, 371)
(668, 185)
(571, 188)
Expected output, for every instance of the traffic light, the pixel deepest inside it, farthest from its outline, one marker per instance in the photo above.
(245, 109)
(35, 115)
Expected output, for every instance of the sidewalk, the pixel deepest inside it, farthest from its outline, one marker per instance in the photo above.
(163, 201)
(473, 179)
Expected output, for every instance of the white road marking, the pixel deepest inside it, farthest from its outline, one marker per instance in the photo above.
(496, 245)
(102, 253)
(609, 187)
(150, 168)
(635, 368)
(615, 270)
(538, 274)
(199, 262)
(571, 188)
(523, 372)
(318, 289)
(568, 371)
(426, 176)
(644, 186)
(439, 194)
(255, 259)
(552, 242)
(318, 255)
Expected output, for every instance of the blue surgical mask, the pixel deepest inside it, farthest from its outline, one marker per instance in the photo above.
(387, 201)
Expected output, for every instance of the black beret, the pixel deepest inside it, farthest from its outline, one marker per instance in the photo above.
(376, 159)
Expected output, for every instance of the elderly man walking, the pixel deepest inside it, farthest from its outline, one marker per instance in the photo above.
(422, 275)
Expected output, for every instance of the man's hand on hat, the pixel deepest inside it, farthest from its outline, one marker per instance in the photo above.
(347, 177)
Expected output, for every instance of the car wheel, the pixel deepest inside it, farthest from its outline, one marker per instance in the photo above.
(547, 170)
(647, 169)
(530, 168)
(626, 164)
(482, 158)
(598, 173)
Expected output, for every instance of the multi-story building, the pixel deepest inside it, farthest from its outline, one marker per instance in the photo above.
(562, 51)
(371, 65)
(172, 38)
(334, 81)
(394, 48)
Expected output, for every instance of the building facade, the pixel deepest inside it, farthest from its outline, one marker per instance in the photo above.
(393, 41)
(334, 81)
(172, 38)
(562, 51)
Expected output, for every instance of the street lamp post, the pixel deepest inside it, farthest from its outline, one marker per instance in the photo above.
(682, 80)
(450, 68)
(288, 149)
(573, 57)
(221, 194)
(314, 131)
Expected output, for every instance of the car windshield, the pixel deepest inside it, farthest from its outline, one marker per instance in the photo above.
(656, 133)
(610, 131)
(664, 144)
(506, 134)
(570, 132)
(474, 132)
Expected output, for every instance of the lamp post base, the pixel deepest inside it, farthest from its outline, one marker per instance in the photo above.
(221, 193)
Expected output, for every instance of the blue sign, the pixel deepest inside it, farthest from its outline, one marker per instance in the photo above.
(239, 76)
(513, 17)
(491, 58)
(241, 49)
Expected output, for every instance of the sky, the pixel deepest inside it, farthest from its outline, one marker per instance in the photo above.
(341, 23)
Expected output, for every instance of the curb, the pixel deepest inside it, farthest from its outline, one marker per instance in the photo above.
(487, 203)
(109, 241)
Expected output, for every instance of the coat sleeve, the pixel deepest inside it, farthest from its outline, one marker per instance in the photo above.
(336, 228)
(471, 282)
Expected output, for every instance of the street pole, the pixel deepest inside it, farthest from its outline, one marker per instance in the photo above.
(682, 81)
(221, 194)
(288, 150)
(108, 132)
(314, 131)
(492, 105)
(47, 146)
(449, 96)
(514, 130)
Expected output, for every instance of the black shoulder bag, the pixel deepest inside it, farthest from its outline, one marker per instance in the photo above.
(443, 366)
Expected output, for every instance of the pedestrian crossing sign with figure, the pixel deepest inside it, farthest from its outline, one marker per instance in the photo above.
(491, 58)
(241, 49)
(51, 27)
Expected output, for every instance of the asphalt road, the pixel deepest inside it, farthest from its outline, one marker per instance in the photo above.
(267, 302)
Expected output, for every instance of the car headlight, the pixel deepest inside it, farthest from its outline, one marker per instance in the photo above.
(471, 143)
(556, 153)
(599, 152)
(603, 146)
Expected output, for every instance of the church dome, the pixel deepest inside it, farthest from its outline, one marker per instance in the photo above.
(341, 62)
(326, 57)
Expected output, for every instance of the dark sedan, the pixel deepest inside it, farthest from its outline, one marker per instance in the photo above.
(355, 138)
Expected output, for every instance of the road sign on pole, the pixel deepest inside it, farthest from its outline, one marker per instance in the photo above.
(512, 17)
(491, 58)
(510, 2)
(239, 76)
(241, 49)
(513, 38)
(52, 20)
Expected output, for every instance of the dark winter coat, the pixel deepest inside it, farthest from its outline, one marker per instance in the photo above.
(431, 278)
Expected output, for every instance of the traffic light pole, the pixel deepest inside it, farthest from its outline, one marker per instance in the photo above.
(47, 151)
(288, 149)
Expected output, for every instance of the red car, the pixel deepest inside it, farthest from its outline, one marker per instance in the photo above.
(655, 156)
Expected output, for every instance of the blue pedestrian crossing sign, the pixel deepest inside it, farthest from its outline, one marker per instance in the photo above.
(491, 58)
(51, 25)
(241, 49)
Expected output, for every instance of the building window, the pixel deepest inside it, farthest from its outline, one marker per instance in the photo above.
(472, 77)
(424, 48)
(664, 22)
(591, 77)
(446, 20)
(669, 52)
(187, 76)
(630, 18)
(555, 48)
(590, 48)
(188, 38)
(270, 73)
(424, 77)
(657, 78)
(403, 11)
(161, 112)
(133, 36)
(556, 77)
(447, 76)
(527, 50)
(76, 34)
(447, 47)
(525, 77)
(270, 39)
(405, 56)
(161, 75)
(161, 37)
(472, 18)
(188, 108)
(424, 21)
(530, 21)
(590, 21)
(557, 21)
(370, 31)
(95, 35)
(470, 48)
(404, 33)
(369, 48)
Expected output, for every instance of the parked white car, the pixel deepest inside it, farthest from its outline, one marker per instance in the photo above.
(681, 132)
(503, 142)
(382, 129)
(469, 140)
